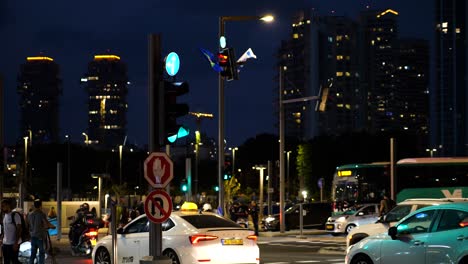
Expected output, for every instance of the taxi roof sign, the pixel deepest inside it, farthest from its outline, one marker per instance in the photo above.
(189, 206)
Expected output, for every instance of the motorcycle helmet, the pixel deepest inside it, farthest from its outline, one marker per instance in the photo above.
(85, 207)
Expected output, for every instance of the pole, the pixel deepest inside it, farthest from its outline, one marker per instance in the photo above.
(221, 130)
(270, 176)
(68, 167)
(260, 215)
(392, 169)
(59, 201)
(113, 205)
(120, 163)
(188, 176)
(281, 149)
(99, 196)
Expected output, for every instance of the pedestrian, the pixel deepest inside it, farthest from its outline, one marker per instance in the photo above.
(253, 211)
(52, 213)
(11, 233)
(38, 226)
(386, 204)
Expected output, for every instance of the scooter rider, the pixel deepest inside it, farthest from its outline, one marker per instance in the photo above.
(78, 224)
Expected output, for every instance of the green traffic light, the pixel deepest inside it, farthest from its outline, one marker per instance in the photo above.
(184, 188)
(216, 188)
(225, 176)
(183, 132)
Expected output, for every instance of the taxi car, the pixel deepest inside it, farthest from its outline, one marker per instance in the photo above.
(189, 236)
(357, 215)
(434, 234)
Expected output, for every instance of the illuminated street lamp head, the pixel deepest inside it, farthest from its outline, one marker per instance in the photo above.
(267, 18)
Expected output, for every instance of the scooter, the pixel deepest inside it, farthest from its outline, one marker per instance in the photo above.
(86, 242)
(24, 253)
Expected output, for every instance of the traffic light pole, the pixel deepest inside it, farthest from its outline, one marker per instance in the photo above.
(221, 129)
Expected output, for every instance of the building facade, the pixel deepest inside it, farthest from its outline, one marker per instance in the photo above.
(106, 83)
(39, 88)
(449, 133)
(319, 61)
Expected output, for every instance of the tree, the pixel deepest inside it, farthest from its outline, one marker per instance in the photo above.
(231, 188)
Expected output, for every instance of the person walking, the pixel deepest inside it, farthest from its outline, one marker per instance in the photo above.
(11, 233)
(253, 211)
(386, 204)
(38, 225)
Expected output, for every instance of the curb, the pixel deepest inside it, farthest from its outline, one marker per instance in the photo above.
(333, 250)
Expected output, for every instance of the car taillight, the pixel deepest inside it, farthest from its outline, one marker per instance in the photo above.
(91, 233)
(252, 237)
(463, 224)
(198, 238)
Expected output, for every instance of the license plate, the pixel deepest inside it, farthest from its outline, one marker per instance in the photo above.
(93, 242)
(228, 242)
(330, 227)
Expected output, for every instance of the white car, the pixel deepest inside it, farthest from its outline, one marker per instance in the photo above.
(391, 218)
(188, 237)
(355, 216)
(434, 234)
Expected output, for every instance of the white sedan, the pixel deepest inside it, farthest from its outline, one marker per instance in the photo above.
(188, 237)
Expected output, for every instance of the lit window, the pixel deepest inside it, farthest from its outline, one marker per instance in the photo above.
(444, 24)
(348, 74)
(339, 105)
(372, 42)
(457, 30)
(338, 74)
(347, 106)
(339, 57)
(295, 36)
(339, 38)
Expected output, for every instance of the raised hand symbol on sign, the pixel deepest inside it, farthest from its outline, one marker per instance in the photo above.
(158, 171)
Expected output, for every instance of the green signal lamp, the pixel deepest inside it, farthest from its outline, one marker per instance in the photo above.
(216, 188)
(183, 132)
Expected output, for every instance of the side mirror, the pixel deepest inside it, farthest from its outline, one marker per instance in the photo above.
(392, 232)
(120, 230)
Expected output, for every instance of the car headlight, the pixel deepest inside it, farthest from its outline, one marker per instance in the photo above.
(270, 219)
(341, 219)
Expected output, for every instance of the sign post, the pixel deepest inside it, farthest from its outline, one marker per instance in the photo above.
(158, 171)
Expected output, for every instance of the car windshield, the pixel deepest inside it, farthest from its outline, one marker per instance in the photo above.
(397, 213)
(352, 210)
(208, 221)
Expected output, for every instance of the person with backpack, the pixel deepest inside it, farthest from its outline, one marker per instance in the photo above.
(38, 226)
(11, 233)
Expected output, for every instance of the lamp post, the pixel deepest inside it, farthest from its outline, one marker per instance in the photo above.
(222, 23)
(234, 160)
(288, 186)
(25, 173)
(100, 177)
(120, 163)
(68, 164)
(431, 151)
(261, 168)
(86, 138)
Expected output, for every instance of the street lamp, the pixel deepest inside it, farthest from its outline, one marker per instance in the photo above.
(261, 168)
(431, 151)
(222, 22)
(288, 187)
(120, 163)
(304, 194)
(99, 177)
(86, 138)
(234, 160)
(68, 164)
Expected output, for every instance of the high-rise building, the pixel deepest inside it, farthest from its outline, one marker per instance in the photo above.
(106, 83)
(39, 87)
(319, 59)
(413, 88)
(449, 120)
(378, 55)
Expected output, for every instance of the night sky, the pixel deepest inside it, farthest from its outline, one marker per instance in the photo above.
(72, 32)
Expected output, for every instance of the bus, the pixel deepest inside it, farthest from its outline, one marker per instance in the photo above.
(435, 177)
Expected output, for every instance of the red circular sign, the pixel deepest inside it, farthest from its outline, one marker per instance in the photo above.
(159, 169)
(158, 206)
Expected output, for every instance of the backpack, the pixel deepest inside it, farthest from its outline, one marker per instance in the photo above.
(25, 235)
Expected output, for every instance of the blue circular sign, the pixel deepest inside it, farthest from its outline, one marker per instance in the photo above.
(172, 63)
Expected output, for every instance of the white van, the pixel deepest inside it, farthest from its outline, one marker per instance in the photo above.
(391, 218)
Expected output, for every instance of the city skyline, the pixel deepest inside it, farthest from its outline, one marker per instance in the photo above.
(71, 45)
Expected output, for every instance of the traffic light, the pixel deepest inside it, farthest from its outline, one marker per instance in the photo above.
(227, 61)
(227, 167)
(174, 110)
(184, 185)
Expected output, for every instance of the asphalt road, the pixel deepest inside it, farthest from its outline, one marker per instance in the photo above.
(311, 248)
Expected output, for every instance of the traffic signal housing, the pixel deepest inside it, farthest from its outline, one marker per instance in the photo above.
(174, 110)
(184, 185)
(227, 61)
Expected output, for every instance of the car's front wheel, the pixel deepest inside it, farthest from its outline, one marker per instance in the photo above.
(361, 259)
(102, 256)
(349, 228)
(172, 255)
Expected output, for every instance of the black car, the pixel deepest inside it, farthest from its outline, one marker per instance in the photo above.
(314, 215)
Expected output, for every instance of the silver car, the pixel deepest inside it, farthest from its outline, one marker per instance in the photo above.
(357, 215)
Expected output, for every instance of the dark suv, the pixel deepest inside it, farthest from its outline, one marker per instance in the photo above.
(315, 215)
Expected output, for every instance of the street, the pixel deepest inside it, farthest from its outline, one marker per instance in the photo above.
(315, 248)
